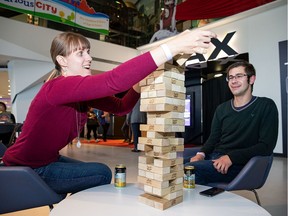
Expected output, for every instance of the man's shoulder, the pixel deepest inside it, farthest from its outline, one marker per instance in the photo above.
(225, 104)
(265, 100)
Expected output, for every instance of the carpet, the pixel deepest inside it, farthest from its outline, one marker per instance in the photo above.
(119, 143)
(109, 142)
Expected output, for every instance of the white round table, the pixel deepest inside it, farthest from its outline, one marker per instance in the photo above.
(108, 200)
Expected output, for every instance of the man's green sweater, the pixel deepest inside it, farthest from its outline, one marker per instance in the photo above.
(244, 133)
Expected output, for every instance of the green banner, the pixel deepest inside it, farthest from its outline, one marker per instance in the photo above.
(75, 13)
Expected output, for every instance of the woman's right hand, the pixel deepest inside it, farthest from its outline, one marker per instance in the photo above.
(187, 42)
(191, 41)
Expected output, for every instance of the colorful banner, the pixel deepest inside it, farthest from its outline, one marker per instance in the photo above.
(75, 13)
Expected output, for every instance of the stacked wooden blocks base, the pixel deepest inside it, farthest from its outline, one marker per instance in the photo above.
(160, 170)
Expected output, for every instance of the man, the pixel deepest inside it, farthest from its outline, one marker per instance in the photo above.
(242, 128)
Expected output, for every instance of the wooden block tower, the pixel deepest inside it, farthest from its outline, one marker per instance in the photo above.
(160, 170)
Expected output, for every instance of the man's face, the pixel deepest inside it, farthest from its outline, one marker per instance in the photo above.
(238, 81)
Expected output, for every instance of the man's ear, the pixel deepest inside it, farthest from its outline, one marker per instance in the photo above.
(252, 79)
(61, 61)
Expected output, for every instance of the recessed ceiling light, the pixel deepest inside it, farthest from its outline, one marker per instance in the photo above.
(218, 75)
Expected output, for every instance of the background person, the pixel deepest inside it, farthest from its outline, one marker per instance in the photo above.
(6, 117)
(136, 119)
(243, 127)
(92, 124)
(59, 110)
(126, 130)
(104, 119)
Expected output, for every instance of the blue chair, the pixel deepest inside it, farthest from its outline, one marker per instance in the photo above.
(22, 188)
(253, 175)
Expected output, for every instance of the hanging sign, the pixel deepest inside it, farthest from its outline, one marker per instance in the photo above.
(75, 13)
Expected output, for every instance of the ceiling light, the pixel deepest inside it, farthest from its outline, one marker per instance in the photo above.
(218, 75)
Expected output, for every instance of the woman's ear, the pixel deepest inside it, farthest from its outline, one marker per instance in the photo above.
(61, 61)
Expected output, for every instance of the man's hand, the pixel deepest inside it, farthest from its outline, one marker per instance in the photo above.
(197, 157)
(222, 164)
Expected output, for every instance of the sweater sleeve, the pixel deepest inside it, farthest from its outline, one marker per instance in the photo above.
(71, 89)
(118, 106)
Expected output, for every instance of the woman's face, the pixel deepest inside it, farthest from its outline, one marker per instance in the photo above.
(78, 63)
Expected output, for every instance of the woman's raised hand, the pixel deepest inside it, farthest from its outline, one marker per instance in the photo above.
(191, 41)
(187, 42)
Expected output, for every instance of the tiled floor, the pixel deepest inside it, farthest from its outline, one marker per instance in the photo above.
(273, 195)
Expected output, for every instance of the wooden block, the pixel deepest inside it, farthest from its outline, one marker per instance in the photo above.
(167, 162)
(166, 121)
(171, 67)
(159, 203)
(173, 195)
(164, 191)
(154, 169)
(169, 141)
(168, 176)
(156, 87)
(167, 73)
(171, 114)
(163, 100)
(158, 184)
(144, 147)
(153, 134)
(162, 177)
(167, 149)
(146, 159)
(142, 173)
(143, 82)
(161, 86)
(153, 182)
(161, 107)
(149, 94)
(145, 94)
(148, 189)
(176, 141)
(162, 128)
(154, 141)
(163, 93)
(177, 167)
(164, 79)
(150, 175)
(168, 93)
(169, 155)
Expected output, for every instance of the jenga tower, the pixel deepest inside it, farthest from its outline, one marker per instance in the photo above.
(160, 170)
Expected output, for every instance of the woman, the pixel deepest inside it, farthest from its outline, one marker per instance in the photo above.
(59, 111)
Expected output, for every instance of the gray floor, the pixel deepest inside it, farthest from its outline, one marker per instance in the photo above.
(273, 195)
